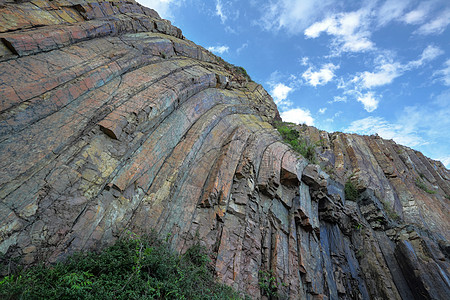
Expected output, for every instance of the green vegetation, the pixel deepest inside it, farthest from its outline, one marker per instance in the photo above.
(360, 254)
(233, 69)
(241, 71)
(447, 196)
(133, 268)
(292, 137)
(351, 192)
(422, 186)
(390, 212)
(268, 284)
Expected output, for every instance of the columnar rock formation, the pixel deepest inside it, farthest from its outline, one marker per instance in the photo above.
(111, 121)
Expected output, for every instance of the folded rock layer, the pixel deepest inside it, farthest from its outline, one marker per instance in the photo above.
(112, 122)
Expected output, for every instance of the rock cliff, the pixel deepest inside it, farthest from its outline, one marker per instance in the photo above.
(111, 121)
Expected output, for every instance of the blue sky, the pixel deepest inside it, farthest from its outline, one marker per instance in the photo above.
(352, 66)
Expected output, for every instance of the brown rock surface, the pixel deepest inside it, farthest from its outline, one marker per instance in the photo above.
(111, 121)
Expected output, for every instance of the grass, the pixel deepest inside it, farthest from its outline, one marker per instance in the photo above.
(133, 268)
(390, 212)
(237, 70)
(351, 192)
(423, 187)
(292, 137)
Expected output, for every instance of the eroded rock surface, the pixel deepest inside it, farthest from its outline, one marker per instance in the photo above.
(111, 121)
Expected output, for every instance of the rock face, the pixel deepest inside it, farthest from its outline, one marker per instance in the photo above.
(111, 121)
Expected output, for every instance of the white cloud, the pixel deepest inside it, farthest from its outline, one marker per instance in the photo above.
(369, 101)
(163, 7)
(298, 116)
(304, 61)
(419, 126)
(386, 70)
(331, 120)
(338, 99)
(292, 15)
(436, 26)
(444, 74)
(219, 11)
(279, 93)
(430, 53)
(396, 131)
(415, 16)
(322, 110)
(350, 31)
(383, 75)
(418, 15)
(391, 10)
(445, 161)
(218, 49)
(244, 46)
(321, 77)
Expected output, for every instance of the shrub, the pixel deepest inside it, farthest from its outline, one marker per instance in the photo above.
(268, 284)
(351, 192)
(292, 137)
(242, 71)
(133, 268)
(423, 187)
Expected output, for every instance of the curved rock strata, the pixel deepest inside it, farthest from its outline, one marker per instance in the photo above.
(111, 121)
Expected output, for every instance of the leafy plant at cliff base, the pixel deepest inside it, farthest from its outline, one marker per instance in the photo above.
(422, 186)
(351, 192)
(268, 283)
(133, 268)
(292, 137)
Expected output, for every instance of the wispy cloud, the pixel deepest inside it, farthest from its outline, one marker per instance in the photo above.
(418, 15)
(391, 10)
(418, 126)
(292, 15)
(298, 116)
(304, 61)
(322, 110)
(430, 53)
(219, 11)
(218, 49)
(445, 160)
(444, 74)
(331, 120)
(338, 99)
(437, 25)
(398, 132)
(244, 46)
(320, 77)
